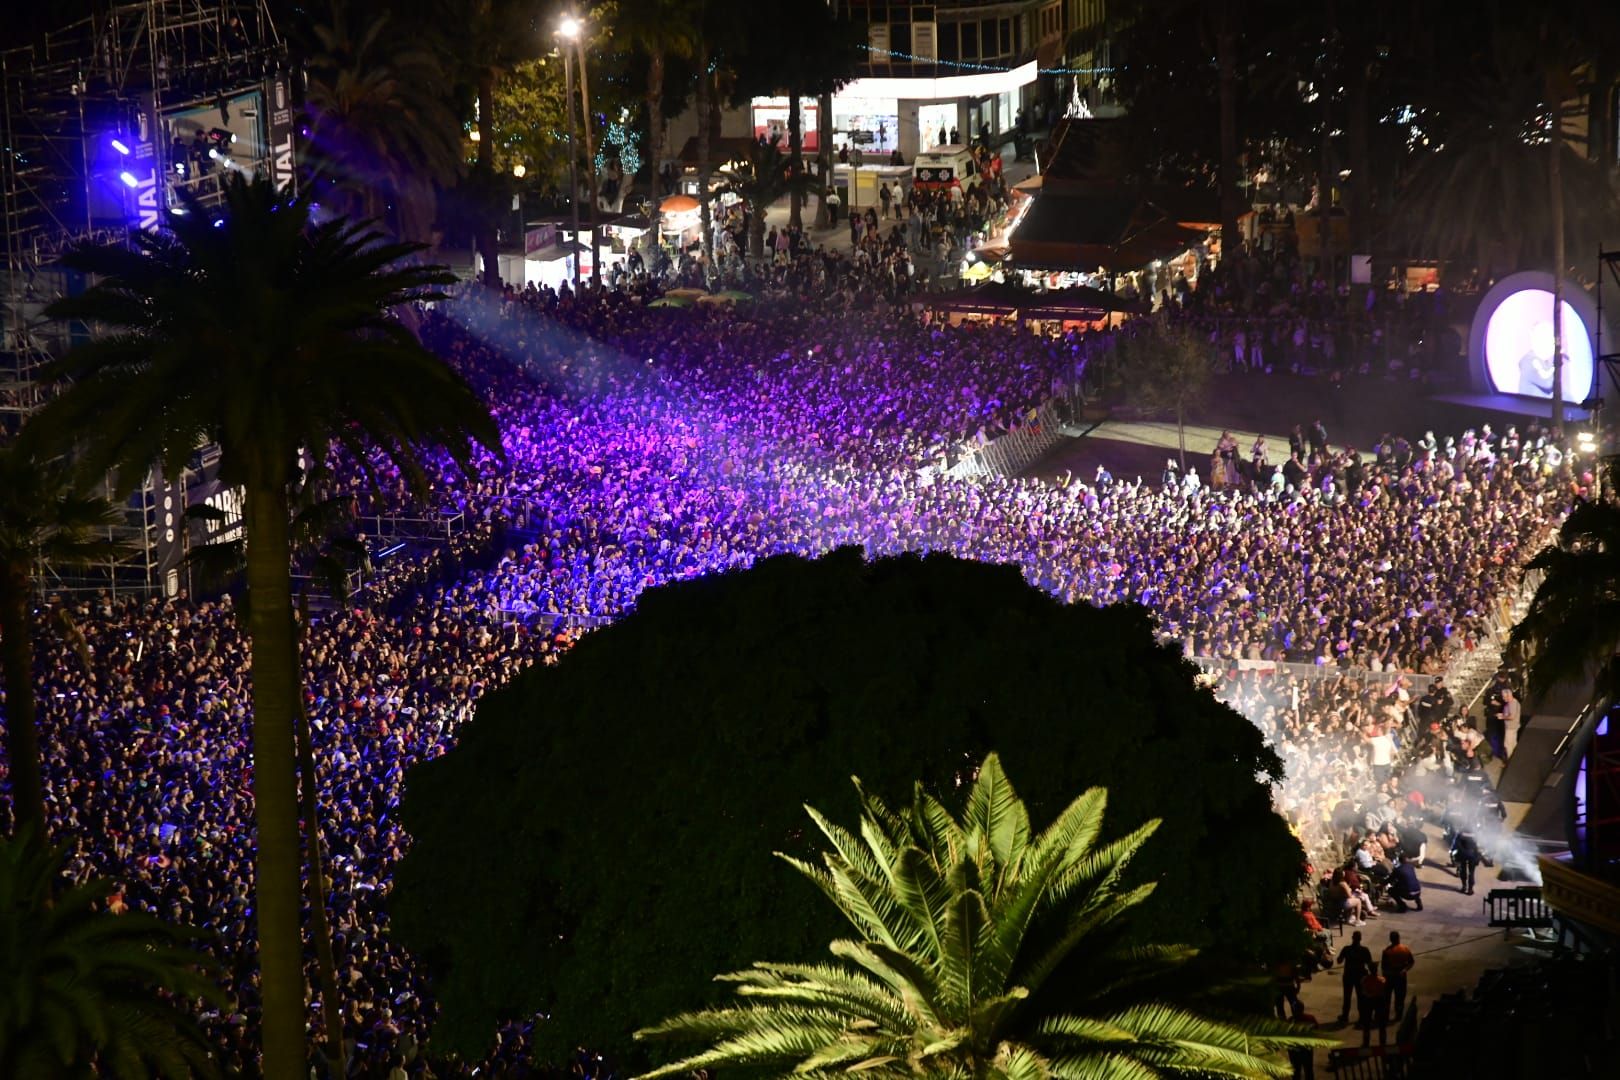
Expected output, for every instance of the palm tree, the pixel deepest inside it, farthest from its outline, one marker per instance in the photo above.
(379, 123)
(265, 334)
(967, 932)
(46, 515)
(1571, 631)
(1480, 193)
(85, 992)
(759, 181)
(661, 30)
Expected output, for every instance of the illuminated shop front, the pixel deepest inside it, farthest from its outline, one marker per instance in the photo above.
(884, 114)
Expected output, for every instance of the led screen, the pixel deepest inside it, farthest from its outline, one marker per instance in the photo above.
(1519, 347)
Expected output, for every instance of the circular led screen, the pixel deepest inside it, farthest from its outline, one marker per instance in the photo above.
(1519, 347)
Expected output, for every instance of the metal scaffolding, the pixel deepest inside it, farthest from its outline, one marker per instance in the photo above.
(126, 68)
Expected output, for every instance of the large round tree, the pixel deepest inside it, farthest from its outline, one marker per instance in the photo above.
(597, 845)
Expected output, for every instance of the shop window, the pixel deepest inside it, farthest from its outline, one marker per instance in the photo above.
(970, 41)
(946, 42)
(1006, 37)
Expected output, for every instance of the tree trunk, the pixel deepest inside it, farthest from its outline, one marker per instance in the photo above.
(1555, 175)
(756, 233)
(488, 247)
(316, 889)
(704, 86)
(316, 886)
(1324, 199)
(824, 157)
(795, 159)
(1181, 434)
(275, 782)
(22, 734)
(655, 134)
(1361, 178)
(1226, 57)
(590, 164)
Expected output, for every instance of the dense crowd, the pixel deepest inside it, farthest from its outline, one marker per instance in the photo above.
(645, 445)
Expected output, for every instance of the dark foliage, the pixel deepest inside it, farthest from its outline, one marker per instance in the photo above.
(599, 844)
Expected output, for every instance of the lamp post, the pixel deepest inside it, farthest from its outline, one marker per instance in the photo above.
(573, 30)
(569, 29)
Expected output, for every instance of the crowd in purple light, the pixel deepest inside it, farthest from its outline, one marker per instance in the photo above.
(644, 445)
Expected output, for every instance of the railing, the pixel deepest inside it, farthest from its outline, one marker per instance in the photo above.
(1370, 1062)
(1013, 452)
(571, 619)
(443, 528)
(1216, 664)
(1523, 908)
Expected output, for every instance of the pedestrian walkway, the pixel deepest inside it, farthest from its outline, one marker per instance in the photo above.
(1449, 938)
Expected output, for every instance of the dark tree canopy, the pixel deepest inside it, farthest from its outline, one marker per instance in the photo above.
(599, 844)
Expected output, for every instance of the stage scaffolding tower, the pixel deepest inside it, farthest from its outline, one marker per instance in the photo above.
(134, 77)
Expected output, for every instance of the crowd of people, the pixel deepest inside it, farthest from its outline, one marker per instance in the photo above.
(644, 445)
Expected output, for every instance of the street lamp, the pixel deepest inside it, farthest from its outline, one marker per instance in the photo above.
(572, 31)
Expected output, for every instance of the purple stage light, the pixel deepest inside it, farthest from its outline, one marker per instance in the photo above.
(121, 146)
(129, 179)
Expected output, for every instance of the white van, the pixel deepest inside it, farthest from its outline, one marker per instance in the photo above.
(944, 167)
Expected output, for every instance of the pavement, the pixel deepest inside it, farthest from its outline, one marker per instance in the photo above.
(1452, 945)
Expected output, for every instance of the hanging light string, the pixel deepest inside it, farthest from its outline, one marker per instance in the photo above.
(895, 54)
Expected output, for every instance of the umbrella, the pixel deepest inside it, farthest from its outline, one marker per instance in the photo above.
(735, 294)
(672, 301)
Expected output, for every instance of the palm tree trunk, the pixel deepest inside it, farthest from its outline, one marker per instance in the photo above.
(824, 125)
(488, 249)
(22, 736)
(655, 132)
(756, 232)
(275, 781)
(1226, 57)
(1324, 199)
(796, 158)
(316, 889)
(704, 214)
(1555, 175)
(1361, 177)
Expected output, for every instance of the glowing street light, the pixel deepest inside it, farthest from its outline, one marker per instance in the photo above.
(570, 28)
(519, 169)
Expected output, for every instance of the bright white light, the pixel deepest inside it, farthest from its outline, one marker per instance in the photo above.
(519, 170)
(129, 179)
(570, 28)
(120, 146)
(1519, 347)
(213, 153)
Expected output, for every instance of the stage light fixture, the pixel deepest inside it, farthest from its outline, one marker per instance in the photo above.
(121, 146)
(129, 179)
(213, 152)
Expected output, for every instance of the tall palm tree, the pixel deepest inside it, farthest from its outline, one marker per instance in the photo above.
(380, 125)
(85, 992)
(1571, 631)
(661, 30)
(764, 177)
(265, 334)
(46, 515)
(1480, 193)
(967, 930)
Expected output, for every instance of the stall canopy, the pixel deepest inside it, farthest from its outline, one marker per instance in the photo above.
(1117, 231)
